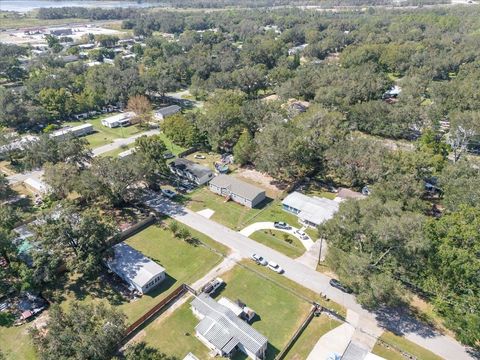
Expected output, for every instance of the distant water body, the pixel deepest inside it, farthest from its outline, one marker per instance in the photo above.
(28, 5)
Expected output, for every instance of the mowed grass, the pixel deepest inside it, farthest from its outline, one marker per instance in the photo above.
(227, 213)
(173, 148)
(184, 263)
(403, 344)
(15, 343)
(277, 240)
(318, 327)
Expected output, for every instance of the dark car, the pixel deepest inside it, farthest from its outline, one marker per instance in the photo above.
(337, 284)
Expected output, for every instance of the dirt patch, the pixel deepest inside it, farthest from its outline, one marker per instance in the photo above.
(272, 187)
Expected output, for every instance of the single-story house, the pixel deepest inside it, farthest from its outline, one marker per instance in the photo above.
(192, 171)
(224, 332)
(114, 121)
(61, 32)
(237, 190)
(162, 113)
(75, 131)
(137, 270)
(311, 211)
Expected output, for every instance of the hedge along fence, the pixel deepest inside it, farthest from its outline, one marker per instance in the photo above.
(160, 307)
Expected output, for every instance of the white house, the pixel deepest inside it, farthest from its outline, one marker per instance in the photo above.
(75, 131)
(122, 119)
(140, 272)
(311, 211)
(224, 332)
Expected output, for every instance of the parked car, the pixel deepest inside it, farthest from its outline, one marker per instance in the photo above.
(259, 260)
(199, 156)
(275, 267)
(281, 225)
(337, 284)
(168, 155)
(213, 286)
(302, 234)
(169, 193)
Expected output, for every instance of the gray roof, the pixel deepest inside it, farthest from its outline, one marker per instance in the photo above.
(313, 209)
(169, 110)
(236, 186)
(131, 264)
(223, 329)
(195, 169)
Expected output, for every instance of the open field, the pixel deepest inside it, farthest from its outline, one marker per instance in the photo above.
(403, 344)
(278, 240)
(15, 343)
(318, 327)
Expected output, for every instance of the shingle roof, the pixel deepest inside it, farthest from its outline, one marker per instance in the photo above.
(186, 165)
(169, 110)
(313, 209)
(133, 265)
(236, 186)
(223, 329)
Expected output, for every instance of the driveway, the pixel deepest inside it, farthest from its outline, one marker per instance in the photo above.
(333, 342)
(268, 225)
(368, 322)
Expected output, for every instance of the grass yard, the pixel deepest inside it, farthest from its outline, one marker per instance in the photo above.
(318, 327)
(183, 262)
(173, 148)
(104, 135)
(231, 214)
(403, 344)
(279, 312)
(15, 344)
(277, 240)
(116, 152)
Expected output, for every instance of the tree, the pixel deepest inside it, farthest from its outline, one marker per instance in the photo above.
(87, 331)
(141, 351)
(61, 178)
(464, 126)
(142, 108)
(181, 130)
(79, 239)
(244, 149)
(150, 154)
(12, 110)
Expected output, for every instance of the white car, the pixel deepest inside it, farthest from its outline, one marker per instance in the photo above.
(259, 259)
(275, 267)
(213, 286)
(302, 235)
(169, 193)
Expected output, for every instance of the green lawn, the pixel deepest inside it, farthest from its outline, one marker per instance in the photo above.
(114, 153)
(277, 240)
(174, 149)
(318, 327)
(403, 344)
(183, 262)
(15, 344)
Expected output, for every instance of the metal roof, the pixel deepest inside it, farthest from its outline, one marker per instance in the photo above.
(223, 329)
(132, 265)
(118, 118)
(169, 110)
(236, 186)
(195, 169)
(313, 209)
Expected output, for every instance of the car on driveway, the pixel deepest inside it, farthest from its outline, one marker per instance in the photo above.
(337, 284)
(169, 193)
(301, 234)
(281, 225)
(259, 260)
(275, 267)
(199, 156)
(213, 286)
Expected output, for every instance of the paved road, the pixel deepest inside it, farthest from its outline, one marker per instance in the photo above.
(38, 174)
(368, 322)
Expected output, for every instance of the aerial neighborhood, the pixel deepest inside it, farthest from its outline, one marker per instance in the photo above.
(239, 179)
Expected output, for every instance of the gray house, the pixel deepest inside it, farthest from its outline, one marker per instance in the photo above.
(140, 272)
(224, 332)
(192, 171)
(162, 113)
(237, 190)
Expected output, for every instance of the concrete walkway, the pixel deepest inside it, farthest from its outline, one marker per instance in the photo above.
(333, 342)
(268, 225)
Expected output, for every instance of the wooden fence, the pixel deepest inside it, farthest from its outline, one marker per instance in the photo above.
(162, 305)
(141, 225)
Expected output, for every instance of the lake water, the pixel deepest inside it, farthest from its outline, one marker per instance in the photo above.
(28, 5)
